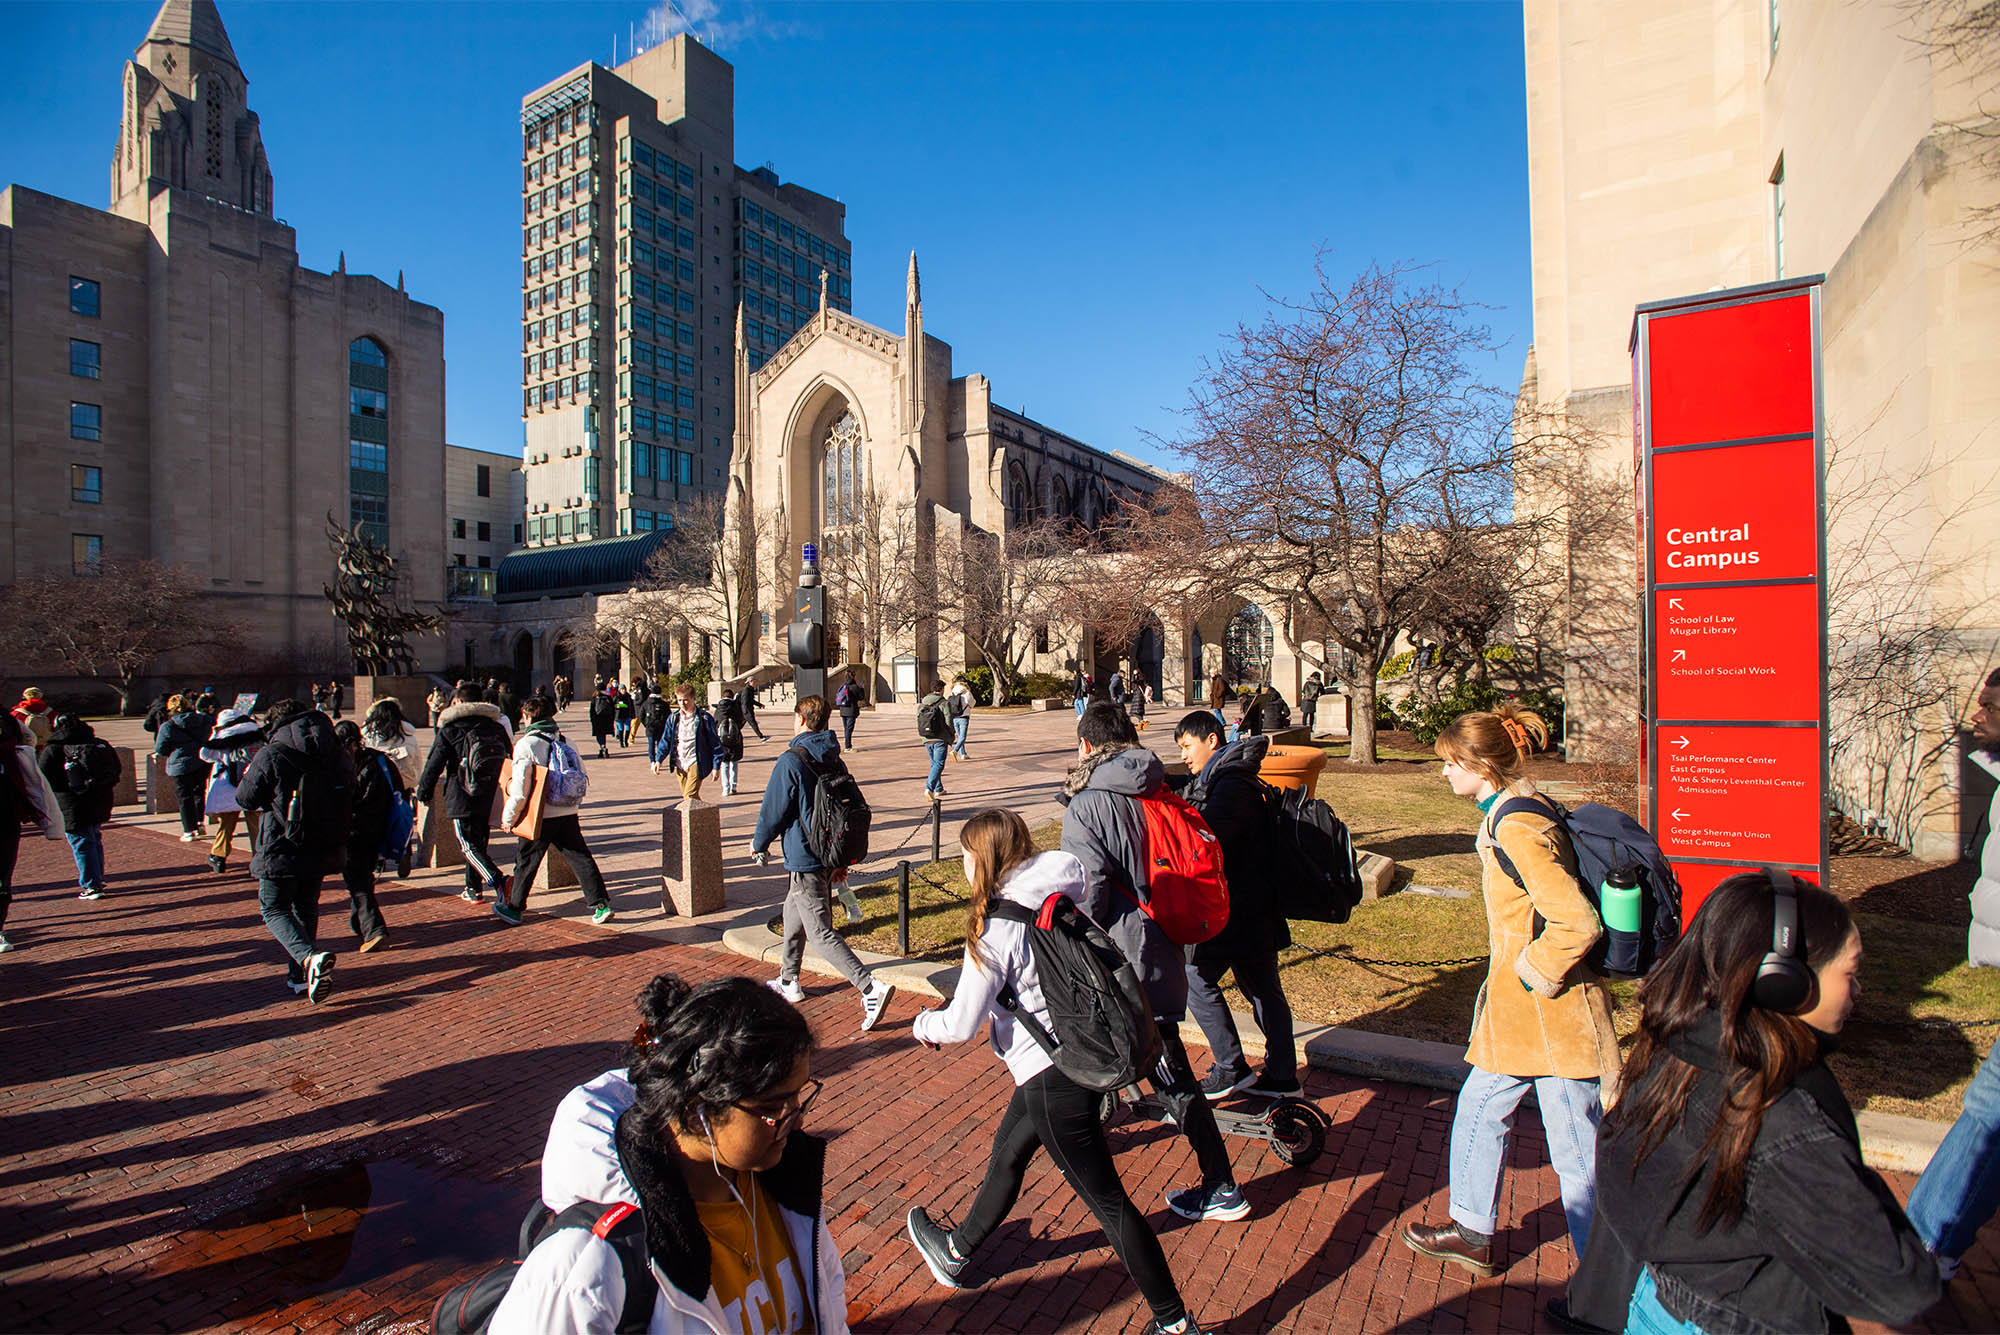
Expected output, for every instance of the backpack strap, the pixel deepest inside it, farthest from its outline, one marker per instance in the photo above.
(1536, 806)
(1008, 999)
(623, 1226)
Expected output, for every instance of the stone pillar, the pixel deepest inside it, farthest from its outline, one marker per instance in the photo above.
(409, 693)
(1175, 686)
(437, 846)
(691, 859)
(160, 798)
(555, 873)
(127, 793)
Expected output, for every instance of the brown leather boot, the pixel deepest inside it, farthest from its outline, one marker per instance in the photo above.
(1451, 1244)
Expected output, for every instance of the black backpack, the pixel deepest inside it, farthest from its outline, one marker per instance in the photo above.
(933, 725)
(1314, 870)
(653, 714)
(837, 817)
(1608, 840)
(318, 809)
(77, 777)
(469, 1308)
(486, 751)
(1105, 1037)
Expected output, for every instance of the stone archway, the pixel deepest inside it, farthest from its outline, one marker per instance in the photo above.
(524, 661)
(564, 663)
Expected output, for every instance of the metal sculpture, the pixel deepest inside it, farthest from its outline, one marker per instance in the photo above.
(364, 597)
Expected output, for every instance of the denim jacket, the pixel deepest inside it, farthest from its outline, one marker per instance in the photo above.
(1821, 1233)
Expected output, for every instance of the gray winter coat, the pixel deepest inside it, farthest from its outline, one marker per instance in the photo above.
(1106, 830)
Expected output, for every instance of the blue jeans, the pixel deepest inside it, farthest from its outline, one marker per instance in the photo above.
(1484, 1122)
(937, 749)
(87, 847)
(291, 911)
(727, 770)
(1961, 1188)
(1080, 702)
(959, 727)
(1645, 1315)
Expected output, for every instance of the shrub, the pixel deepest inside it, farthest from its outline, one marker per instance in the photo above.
(1427, 721)
(695, 674)
(1041, 686)
(980, 678)
(1385, 714)
(1501, 653)
(1397, 666)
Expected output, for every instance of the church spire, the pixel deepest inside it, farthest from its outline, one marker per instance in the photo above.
(192, 23)
(739, 455)
(186, 123)
(913, 350)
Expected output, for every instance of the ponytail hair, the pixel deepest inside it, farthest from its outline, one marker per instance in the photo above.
(1494, 745)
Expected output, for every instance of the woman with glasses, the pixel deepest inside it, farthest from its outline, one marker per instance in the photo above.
(701, 1132)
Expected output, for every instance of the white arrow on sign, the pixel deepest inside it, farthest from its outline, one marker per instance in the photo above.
(1679, 654)
(1680, 741)
(1678, 814)
(1674, 604)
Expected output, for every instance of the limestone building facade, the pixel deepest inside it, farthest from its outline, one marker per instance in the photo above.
(176, 386)
(641, 238)
(486, 503)
(1679, 148)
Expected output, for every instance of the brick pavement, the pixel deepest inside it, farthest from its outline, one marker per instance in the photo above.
(191, 1148)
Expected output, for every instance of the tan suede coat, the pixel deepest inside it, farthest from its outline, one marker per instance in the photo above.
(1559, 1023)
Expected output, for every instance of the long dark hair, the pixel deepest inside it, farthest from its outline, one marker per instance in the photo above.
(700, 1049)
(1760, 1052)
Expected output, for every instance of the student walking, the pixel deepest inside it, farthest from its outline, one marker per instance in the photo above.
(23, 804)
(468, 753)
(1543, 1022)
(728, 740)
(748, 695)
(1048, 1110)
(180, 740)
(1225, 789)
(621, 707)
(603, 719)
(958, 706)
(934, 726)
(1079, 691)
(653, 718)
(1309, 694)
(1105, 828)
(35, 717)
(228, 754)
(377, 787)
(303, 782)
(541, 746)
(786, 814)
(689, 745)
(701, 1132)
(1135, 704)
(849, 699)
(1731, 1191)
(83, 773)
(1960, 1189)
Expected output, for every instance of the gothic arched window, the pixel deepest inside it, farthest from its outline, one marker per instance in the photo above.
(841, 474)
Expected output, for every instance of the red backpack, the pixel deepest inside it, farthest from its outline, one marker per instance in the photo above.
(1186, 894)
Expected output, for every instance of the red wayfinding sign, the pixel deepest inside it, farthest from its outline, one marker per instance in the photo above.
(1730, 451)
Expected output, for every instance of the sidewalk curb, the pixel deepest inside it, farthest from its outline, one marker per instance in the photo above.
(1888, 1143)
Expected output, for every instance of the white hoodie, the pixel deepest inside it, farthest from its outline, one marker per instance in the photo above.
(1003, 958)
(573, 1284)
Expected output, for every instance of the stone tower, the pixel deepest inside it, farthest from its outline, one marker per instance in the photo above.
(187, 123)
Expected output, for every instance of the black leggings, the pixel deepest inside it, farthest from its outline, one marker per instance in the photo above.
(1054, 1113)
(192, 789)
(10, 851)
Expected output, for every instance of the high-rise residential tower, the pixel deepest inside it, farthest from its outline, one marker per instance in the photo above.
(640, 238)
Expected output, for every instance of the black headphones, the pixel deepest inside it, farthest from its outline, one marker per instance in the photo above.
(1784, 981)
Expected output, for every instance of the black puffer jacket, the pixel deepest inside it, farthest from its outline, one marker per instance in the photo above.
(1821, 1233)
(1230, 797)
(91, 808)
(302, 749)
(456, 728)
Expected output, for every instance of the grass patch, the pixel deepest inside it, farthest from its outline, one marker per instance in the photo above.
(1913, 918)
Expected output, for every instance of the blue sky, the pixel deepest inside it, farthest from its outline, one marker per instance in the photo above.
(1096, 193)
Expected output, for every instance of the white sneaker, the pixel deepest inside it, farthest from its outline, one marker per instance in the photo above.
(788, 988)
(187, 836)
(5, 944)
(875, 1001)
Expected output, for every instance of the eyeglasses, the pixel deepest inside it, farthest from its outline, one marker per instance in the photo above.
(790, 1113)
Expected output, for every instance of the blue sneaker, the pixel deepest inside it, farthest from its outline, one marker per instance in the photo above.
(1226, 1203)
(506, 913)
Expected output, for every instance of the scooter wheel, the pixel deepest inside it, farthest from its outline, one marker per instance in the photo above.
(1298, 1131)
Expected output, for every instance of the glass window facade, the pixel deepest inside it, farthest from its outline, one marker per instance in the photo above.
(368, 439)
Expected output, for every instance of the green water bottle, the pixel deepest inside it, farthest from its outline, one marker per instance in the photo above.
(1618, 905)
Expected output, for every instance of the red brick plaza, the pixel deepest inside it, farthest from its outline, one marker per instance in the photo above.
(189, 1147)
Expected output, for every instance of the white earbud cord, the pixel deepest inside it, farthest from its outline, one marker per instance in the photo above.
(756, 1248)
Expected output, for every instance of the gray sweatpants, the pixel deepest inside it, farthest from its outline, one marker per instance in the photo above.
(809, 913)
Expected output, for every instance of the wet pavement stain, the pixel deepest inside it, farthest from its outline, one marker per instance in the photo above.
(334, 1228)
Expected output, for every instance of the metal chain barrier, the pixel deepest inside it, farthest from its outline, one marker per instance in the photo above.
(1934, 1023)
(1347, 953)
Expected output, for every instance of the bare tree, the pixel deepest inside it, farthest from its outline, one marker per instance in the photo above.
(700, 580)
(1965, 35)
(116, 624)
(1337, 455)
(871, 563)
(996, 591)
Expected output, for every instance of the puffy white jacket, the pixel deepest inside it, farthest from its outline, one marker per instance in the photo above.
(531, 751)
(573, 1284)
(1003, 958)
(1982, 946)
